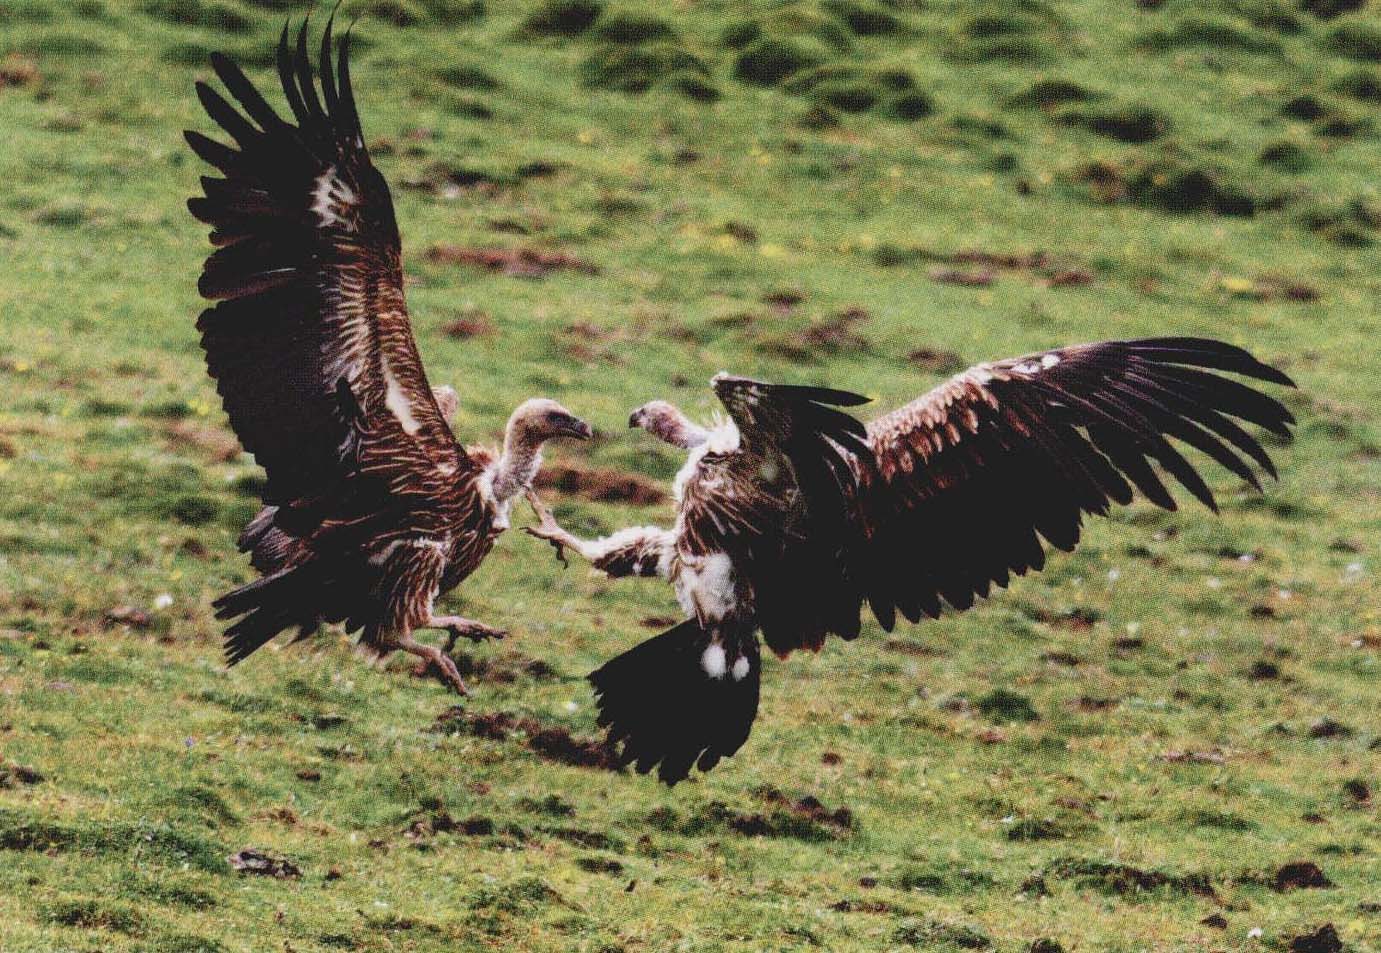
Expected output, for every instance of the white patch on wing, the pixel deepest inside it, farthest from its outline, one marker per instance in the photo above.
(330, 197)
(383, 555)
(397, 401)
(705, 587)
(1050, 360)
(741, 667)
(712, 660)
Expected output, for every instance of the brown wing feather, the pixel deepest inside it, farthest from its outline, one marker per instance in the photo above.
(971, 477)
(309, 281)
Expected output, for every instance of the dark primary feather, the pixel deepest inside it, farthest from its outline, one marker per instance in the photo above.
(970, 479)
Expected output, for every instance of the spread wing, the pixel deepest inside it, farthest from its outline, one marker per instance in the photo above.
(970, 478)
(310, 342)
(781, 506)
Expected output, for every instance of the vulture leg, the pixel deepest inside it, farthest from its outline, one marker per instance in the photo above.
(461, 627)
(438, 662)
(549, 530)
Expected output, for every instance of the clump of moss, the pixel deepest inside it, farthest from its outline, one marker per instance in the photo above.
(739, 34)
(216, 16)
(562, 18)
(1349, 225)
(865, 18)
(692, 85)
(1328, 9)
(768, 62)
(908, 106)
(1135, 124)
(1021, 50)
(1286, 156)
(633, 29)
(454, 12)
(1358, 40)
(635, 69)
(1169, 185)
(850, 96)
(466, 76)
(1215, 32)
(398, 12)
(1051, 92)
(1003, 705)
(803, 21)
(1362, 84)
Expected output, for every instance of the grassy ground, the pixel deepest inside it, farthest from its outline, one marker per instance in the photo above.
(1140, 738)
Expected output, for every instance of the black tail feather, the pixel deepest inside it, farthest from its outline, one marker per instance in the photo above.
(664, 703)
(268, 606)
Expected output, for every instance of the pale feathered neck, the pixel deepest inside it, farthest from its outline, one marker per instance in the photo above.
(517, 465)
(675, 428)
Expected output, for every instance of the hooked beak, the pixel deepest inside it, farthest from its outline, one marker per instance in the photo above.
(579, 429)
(635, 419)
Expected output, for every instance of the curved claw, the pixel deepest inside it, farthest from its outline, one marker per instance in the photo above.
(546, 533)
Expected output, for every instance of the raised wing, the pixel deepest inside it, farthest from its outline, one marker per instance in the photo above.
(970, 478)
(310, 342)
(782, 505)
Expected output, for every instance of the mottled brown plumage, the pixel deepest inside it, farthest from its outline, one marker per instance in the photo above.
(789, 520)
(373, 508)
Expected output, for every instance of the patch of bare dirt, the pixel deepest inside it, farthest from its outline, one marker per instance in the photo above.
(514, 262)
(18, 70)
(263, 864)
(472, 323)
(604, 486)
(217, 444)
(936, 360)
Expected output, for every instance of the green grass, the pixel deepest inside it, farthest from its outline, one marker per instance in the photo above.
(1103, 755)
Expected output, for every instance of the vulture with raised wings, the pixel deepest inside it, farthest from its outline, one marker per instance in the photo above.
(372, 508)
(792, 514)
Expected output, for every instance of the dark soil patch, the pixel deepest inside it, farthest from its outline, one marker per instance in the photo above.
(473, 323)
(603, 486)
(1300, 875)
(1125, 880)
(263, 864)
(1168, 185)
(17, 70)
(562, 18)
(936, 360)
(515, 262)
(13, 775)
(1328, 728)
(1323, 940)
(560, 746)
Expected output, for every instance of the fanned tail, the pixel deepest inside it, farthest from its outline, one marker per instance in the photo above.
(685, 698)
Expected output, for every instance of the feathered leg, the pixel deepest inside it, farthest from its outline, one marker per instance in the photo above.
(437, 661)
(634, 551)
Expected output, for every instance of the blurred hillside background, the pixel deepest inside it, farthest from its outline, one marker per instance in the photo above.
(1166, 741)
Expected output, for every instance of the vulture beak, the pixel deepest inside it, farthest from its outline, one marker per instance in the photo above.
(578, 429)
(635, 419)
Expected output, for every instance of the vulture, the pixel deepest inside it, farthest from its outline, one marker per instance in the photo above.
(372, 508)
(791, 514)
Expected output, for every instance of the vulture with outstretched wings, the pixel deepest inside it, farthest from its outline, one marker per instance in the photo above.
(791, 515)
(372, 508)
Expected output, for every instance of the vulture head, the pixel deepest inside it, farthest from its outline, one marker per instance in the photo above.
(540, 419)
(666, 422)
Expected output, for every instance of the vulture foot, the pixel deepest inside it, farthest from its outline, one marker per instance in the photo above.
(550, 530)
(437, 664)
(462, 628)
